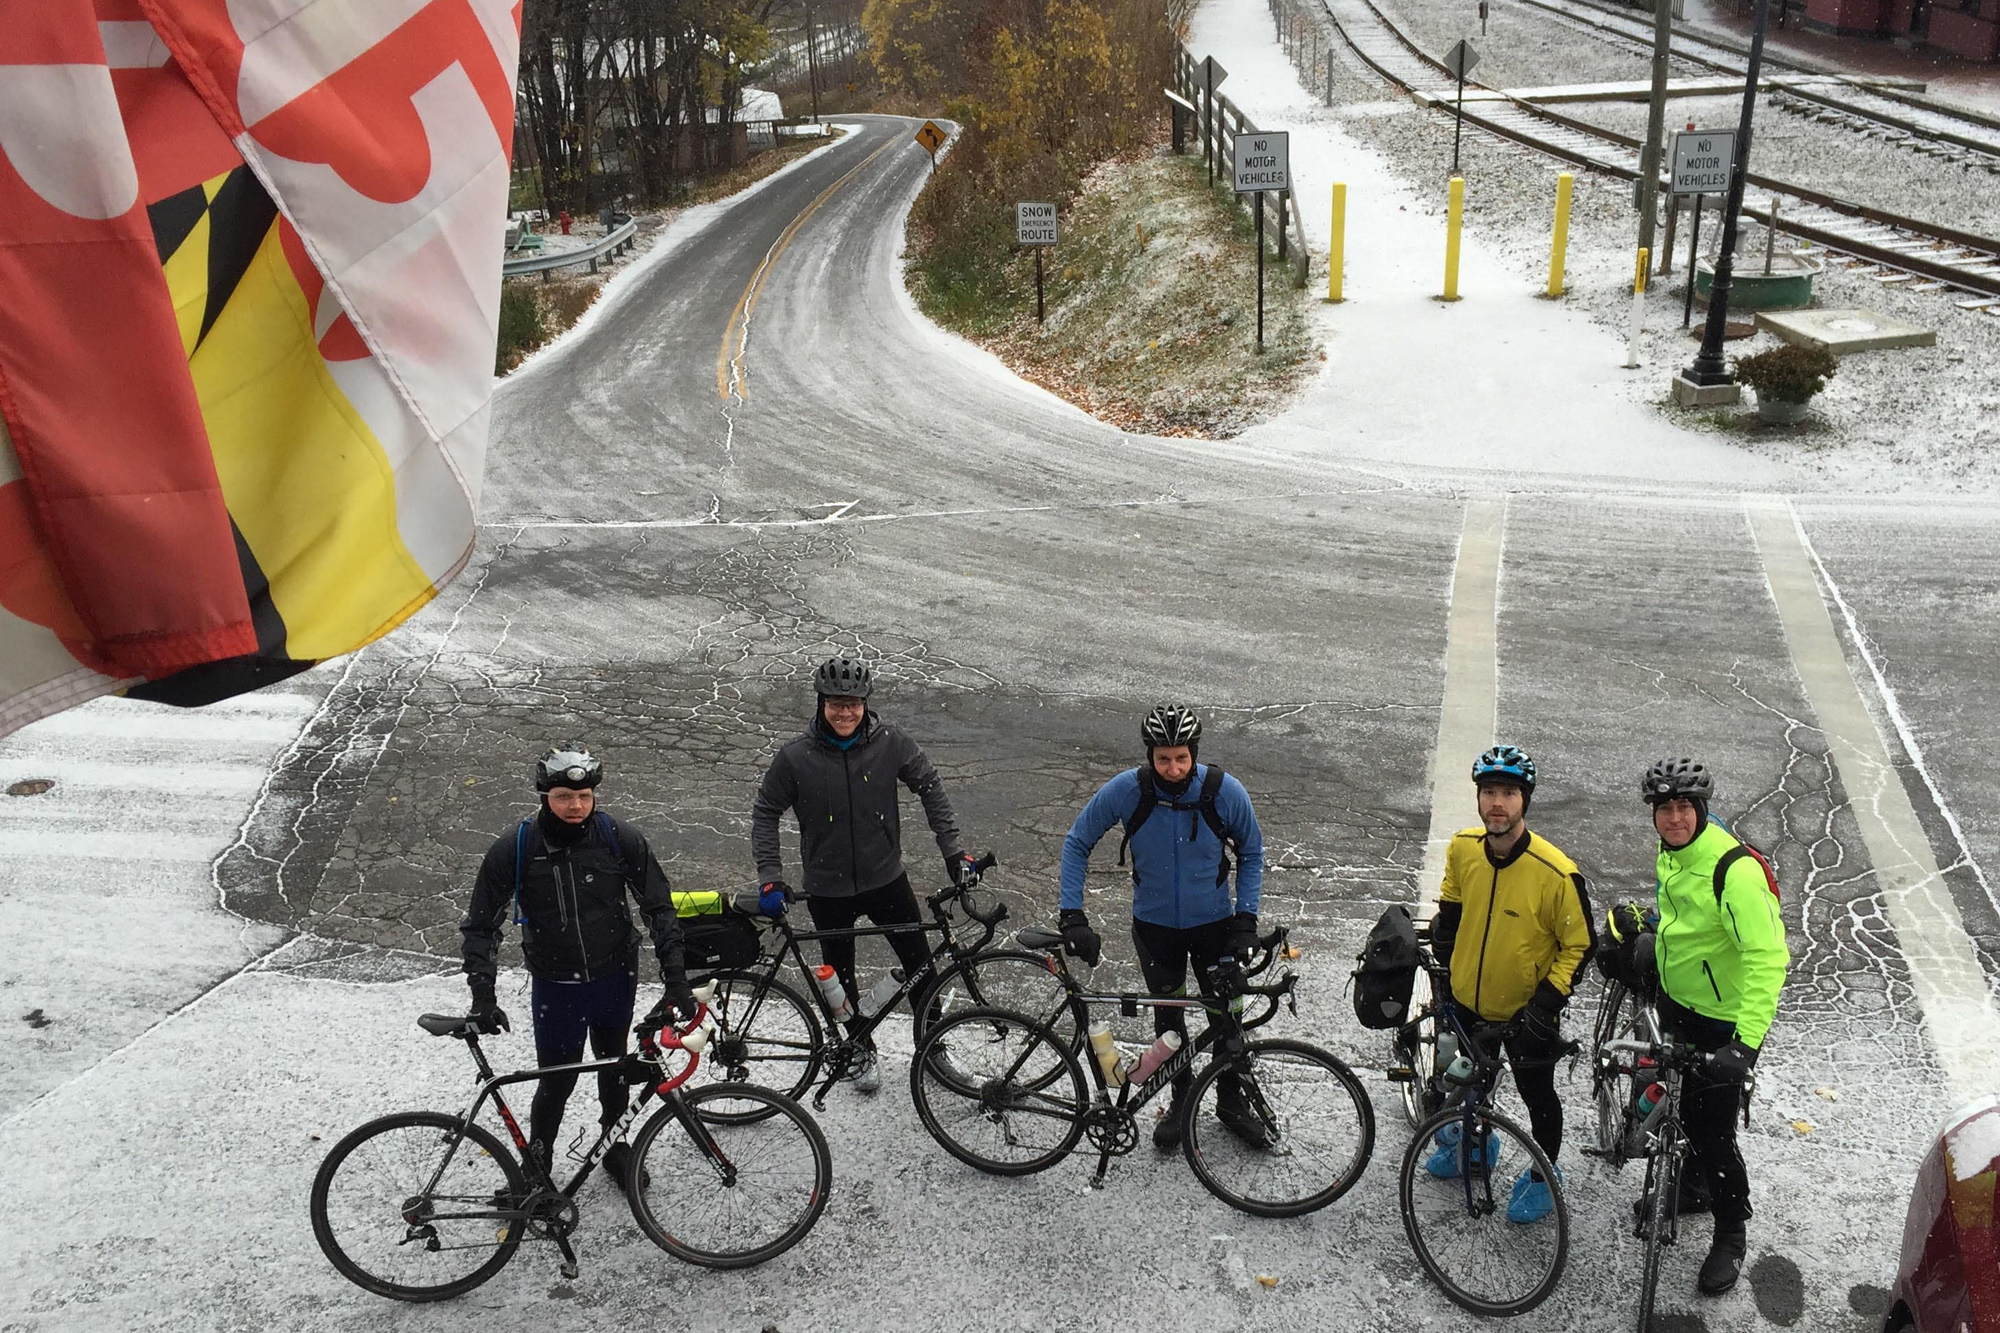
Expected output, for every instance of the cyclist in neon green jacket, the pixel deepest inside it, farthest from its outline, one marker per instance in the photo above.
(1721, 952)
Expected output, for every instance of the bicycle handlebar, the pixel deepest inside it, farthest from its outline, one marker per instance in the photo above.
(961, 893)
(1667, 1052)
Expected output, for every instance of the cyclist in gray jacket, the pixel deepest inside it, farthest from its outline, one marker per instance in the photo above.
(839, 779)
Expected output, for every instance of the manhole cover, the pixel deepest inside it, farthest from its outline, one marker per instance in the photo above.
(1731, 331)
(31, 786)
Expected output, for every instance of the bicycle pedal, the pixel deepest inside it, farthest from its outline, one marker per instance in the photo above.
(568, 1270)
(1402, 1074)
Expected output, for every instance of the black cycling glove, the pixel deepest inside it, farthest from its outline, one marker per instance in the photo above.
(1079, 940)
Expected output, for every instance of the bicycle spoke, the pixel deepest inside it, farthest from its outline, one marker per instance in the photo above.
(1458, 1224)
(1284, 1131)
(739, 1191)
(998, 1092)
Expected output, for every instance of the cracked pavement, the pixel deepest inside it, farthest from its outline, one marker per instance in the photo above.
(662, 560)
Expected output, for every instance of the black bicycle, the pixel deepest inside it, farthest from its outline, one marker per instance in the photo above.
(1274, 1127)
(1656, 1132)
(769, 1032)
(1457, 1222)
(422, 1205)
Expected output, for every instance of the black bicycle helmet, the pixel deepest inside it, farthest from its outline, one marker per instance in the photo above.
(1669, 779)
(1505, 763)
(1170, 724)
(571, 766)
(843, 678)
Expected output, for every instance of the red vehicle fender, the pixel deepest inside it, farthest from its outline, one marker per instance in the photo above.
(1949, 1278)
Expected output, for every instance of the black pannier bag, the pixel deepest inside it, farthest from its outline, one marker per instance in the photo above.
(1388, 971)
(713, 937)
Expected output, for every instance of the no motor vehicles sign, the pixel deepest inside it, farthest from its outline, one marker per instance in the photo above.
(1702, 159)
(1263, 161)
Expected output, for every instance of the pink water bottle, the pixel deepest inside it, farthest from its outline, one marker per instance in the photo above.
(835, 993)
(1156, 1055)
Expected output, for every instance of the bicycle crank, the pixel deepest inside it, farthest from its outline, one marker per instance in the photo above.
(1112, 1130)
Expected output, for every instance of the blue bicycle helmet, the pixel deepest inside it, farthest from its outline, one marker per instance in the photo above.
(1505, 763)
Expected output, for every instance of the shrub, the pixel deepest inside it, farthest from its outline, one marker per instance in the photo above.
(1788, 373)
(521, 330)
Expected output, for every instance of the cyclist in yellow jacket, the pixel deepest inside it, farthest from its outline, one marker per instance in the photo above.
(1720, 947)
(1514, 927)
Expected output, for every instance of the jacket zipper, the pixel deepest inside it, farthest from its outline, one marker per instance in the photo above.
(853, 841)
(1479, 977)
(1711, 980)
(576, 921)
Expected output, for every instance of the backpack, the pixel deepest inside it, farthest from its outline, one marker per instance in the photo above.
(1388, 971)
(1204, 808)
(1737, 853)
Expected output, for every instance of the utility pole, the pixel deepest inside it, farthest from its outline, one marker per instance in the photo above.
(812, 64)
(1708, 367)
(1656, 117)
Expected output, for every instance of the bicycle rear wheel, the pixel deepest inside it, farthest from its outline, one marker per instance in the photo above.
(766, 1034)
(999, 1091)
(389, 1230)
(1284, 1129)
(1611, 1078)
(1416, 1048)
(730, 1193)
(1459, 1227)
(1663, 1186)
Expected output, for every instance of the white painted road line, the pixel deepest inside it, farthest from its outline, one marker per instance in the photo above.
(1944, 969)
(1466, 720)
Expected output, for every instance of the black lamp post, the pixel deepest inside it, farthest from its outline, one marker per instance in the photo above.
(1708, 367)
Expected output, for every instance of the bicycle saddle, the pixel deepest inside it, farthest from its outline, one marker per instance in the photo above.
(1039, 937)
(445, 1025)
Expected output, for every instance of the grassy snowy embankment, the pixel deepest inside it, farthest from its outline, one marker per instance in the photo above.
(1152, 305)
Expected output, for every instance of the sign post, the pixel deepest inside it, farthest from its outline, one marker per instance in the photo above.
(1702, 161)
(1263, 162)
(1035, 225)
(1459, 60)
(932, 138)
(1212, 74)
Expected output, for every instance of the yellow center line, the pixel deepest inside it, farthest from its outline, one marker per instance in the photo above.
(737, 331)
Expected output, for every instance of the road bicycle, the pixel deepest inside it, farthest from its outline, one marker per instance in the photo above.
(423, 1205)
(1458, 1225)
(787, 1037)
(1272, 1127)
(1659, 1136)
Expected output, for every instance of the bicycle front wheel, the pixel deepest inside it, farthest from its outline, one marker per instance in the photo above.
(1016, 980)
(1457, 1223)
(418, 1206)
(1663, 1193)
(729, 1193)
(766, 1034)
(999, 1091)
(1415, 1048)
(1286, 1129)
(1612, 1080)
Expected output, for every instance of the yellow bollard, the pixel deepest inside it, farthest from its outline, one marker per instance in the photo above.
(1336, 254)
(1560, 249)
(1453, 214)
(1638, 311)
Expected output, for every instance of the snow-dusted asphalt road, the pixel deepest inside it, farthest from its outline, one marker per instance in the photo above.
(680, 521)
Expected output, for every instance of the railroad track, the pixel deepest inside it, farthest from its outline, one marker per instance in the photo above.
(1923, 125)
(1925, 256)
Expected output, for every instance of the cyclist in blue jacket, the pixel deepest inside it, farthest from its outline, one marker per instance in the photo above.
(1182, 821)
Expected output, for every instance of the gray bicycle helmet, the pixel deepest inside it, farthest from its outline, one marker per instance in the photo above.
(1670, 779)
(571, 766)
(843, 678)
(1170, 724)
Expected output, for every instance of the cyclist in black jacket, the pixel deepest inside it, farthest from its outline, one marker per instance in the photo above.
(840, 779)
(562, 874)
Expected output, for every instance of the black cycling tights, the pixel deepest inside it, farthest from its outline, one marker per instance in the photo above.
(1709, 1108)
(1534, 1066)
(1164, 955)
(565, 1012)
(894, 904)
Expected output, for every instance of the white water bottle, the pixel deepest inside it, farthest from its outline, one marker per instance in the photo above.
(1106, 1051)
(836, 994)
(883, 993)
(1156, 1055)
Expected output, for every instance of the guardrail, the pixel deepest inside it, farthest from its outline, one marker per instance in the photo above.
(616, 242)
(1215, 123)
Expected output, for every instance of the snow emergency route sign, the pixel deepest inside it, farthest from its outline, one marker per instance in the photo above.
(1702, 159)
(1263, 161)
(1034, 224)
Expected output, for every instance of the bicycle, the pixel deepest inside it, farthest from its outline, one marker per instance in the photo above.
(423, 1205)
(1458, 1225)
(1007, 1077)
(770, 1032)
(1615, 1083)
(1662, 1139)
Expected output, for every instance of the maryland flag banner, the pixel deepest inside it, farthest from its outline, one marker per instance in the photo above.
(249, 283)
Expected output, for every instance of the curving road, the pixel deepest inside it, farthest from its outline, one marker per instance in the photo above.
(760, 453)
